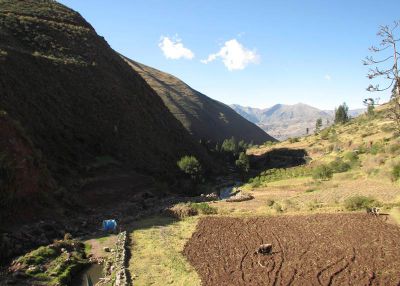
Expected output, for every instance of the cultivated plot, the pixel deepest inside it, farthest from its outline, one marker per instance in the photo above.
(324, 249)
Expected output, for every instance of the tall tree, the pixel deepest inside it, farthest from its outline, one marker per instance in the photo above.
(387, 67)
(191, 167)
(342, 114)
(370, 103)
(243, 163)
(318, 125)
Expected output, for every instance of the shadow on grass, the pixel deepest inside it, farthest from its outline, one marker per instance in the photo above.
(279, 158)
(150, 222)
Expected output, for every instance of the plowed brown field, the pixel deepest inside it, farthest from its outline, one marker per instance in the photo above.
(324, 249)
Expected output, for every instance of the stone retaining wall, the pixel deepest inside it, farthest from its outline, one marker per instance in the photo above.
(115, 268)
(121, 257)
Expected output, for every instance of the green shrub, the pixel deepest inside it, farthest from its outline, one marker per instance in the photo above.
(322, 172)
(204, 208)
(396, 172)
(350, 156)
(243, 163)
(338, 166)
(325, 134)
(190, 166)
(269, 143)
(376, 148)
(230, 146)
(255, 182)
(359, 202)
(293, 140)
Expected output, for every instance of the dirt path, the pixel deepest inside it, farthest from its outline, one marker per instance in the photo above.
(339, 249)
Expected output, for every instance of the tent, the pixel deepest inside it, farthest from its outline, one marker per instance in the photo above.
(109, 225)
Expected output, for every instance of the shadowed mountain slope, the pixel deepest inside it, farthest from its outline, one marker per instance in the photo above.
(203, 117)
(77, 100)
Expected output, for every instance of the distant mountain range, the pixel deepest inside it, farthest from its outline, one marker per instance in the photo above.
(204, 117)
(283, 121)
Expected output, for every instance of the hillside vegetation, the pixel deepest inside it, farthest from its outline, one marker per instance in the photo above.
(284, 121)
(205, 118)
(349, 167)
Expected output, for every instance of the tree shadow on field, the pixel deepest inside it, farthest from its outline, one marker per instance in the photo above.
(151, 222)
(279, 158)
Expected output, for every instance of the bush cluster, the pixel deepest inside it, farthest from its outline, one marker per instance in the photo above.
(272, 175)
(359, 202)
(190, 166)
(204, 208)
(322, 172)
(396, 172)
(339, 166)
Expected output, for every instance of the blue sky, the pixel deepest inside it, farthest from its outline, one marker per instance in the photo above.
(260, 52)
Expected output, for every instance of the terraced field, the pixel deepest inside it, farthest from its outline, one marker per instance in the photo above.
(323, 249)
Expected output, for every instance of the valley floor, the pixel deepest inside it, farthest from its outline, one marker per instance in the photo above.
(167, 252)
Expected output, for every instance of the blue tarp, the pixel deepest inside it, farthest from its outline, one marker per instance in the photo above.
(109, 225)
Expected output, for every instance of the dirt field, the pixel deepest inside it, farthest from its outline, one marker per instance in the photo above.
(324, 249)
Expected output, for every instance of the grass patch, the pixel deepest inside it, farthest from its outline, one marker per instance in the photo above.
(54, 264)
(273, 175)
(38, 256)
(157, 252)
(102, 240)
(204, 208)
(88, 248)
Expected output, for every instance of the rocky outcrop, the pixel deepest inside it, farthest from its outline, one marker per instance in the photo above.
(240, 197)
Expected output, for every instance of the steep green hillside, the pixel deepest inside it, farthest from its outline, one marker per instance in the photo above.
(348, 166)
(77, 100)
(202, 116)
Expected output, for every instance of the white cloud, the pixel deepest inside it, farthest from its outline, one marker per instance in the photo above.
(234, 56)
(327, 77)
(174, 49)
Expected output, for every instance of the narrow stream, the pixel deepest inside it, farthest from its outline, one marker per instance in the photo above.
(95, 271)
(226, 192)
